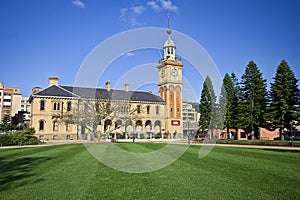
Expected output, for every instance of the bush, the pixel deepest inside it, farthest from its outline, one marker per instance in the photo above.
(23, 137)
(5, 140)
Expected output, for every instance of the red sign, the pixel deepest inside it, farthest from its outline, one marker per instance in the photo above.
(175, 122)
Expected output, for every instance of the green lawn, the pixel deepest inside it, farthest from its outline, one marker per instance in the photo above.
(70, 172)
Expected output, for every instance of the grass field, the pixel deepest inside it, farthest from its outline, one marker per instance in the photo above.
(70, 172)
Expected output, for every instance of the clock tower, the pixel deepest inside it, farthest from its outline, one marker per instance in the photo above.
(170, 86)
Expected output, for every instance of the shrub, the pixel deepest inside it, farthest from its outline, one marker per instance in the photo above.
(23, 137)
(5, 140)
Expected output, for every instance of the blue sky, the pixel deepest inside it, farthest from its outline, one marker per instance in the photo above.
(42, 38)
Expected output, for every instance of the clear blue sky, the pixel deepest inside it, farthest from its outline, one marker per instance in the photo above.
(40, 38)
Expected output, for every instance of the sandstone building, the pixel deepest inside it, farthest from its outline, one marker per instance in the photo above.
(66, 112)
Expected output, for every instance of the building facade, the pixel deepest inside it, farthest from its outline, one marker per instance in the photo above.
(190, 119)
(65, 112)
(10, 101)
(71, 113)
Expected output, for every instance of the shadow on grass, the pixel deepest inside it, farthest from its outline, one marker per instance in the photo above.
(284, 150)
(18, 172)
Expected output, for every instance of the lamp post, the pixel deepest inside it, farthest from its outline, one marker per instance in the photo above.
(292, 135)
(188, 129)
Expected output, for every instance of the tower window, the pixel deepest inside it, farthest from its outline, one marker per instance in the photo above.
(148, 109)
(157, 110)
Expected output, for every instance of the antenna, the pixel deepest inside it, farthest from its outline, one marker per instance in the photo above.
(168, 20)
(169, 30)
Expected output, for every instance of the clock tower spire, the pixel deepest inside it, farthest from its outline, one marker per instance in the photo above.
(170, 86)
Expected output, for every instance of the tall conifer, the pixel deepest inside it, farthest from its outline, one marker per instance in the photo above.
(284, 97)
(254, 99)
(207, 106)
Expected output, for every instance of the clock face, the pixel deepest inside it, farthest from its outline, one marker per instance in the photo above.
(162, 73)
(174, 72)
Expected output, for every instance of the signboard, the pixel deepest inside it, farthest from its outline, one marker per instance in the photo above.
(175, 122)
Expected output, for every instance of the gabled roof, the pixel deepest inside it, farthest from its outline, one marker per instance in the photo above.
(98, 93)
(55, 91)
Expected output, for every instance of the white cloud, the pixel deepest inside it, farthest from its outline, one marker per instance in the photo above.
(78, 3)
(123, 12)
(168, 5)
(129, 54)
(130, 15)
(153, 5)
(162, 5)
(137, 9)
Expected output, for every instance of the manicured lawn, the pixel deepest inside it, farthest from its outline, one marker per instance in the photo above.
(70, 172)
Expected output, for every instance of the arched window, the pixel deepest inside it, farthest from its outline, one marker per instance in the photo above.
(56, 106)
(55, 126)
(68, 127)
(138, 109)
(41, 125)
(69, 106)
(42, 105)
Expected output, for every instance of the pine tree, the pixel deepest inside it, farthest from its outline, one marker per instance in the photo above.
(227, 103)
(284, 97)
(236, 113)
(207, 106)
(254, 99)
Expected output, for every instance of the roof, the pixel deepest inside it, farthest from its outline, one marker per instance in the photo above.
(169, 43)
(98, 93)
(55, 91)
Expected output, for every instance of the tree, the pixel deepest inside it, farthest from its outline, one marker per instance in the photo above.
(254, 98)
(89, 114)
(284, 98)
(236, 104)
(207, 106)
(6, 124)
(226, 103)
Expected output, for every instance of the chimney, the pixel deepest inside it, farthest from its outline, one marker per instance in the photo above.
(126, 87)
(53, 81)
(108, 85)
(36, 89)
(1, 84)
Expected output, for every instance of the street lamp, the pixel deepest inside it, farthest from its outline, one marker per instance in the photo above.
(188, 129)
(292, 135)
